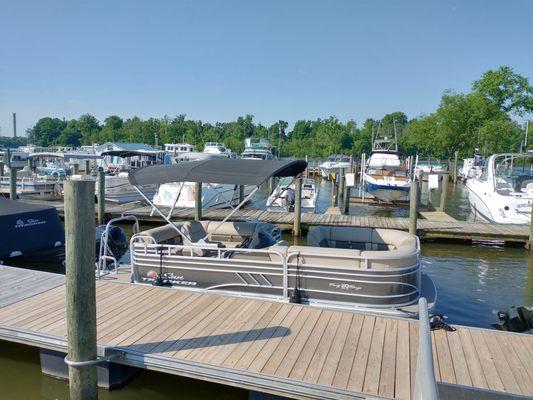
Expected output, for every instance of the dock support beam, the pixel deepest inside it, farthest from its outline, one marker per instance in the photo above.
(444, 192)
(101, 196)
(413, 207)
(198, 201)
(80, 287)
(297, 206)
(13, 183)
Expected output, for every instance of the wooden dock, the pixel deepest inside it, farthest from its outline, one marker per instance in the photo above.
(431, 228)
(278, 348)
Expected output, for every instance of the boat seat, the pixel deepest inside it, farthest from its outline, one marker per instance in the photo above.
(195, 231)
(383, 248)
(165, 234)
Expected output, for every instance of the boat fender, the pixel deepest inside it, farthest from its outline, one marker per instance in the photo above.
(436, 321)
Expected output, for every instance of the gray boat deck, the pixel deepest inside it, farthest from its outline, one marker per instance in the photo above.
(285, 349)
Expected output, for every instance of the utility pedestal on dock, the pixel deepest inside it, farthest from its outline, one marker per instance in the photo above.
(198, 201)
(80, 289)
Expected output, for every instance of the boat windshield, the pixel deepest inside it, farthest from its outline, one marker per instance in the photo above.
(512, 173)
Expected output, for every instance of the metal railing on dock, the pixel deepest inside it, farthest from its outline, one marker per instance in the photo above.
(425, 382)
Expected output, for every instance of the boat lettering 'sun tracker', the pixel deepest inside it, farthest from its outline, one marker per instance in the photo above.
(364, 269)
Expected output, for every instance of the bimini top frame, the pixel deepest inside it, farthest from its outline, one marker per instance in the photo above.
(214, 170)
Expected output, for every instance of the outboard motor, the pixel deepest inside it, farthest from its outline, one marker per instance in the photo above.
(290, 199)
(515, 319)
(117, 243)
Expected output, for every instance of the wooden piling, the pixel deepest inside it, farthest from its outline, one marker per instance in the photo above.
(87, 167)
(351, 170)
(413, 207)
(101, 197)
(270, 185)
(1, 168)
(430, 197)
(13, 183)
(444, 191)
(75, 169)
(340, 189)
(307, 168)
(454, 169)
(420, 186)
(297, 206)
(241, 193)
(80, 287)
(530, 242)
(198, 201)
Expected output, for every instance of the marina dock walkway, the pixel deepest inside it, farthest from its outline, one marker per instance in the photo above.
(283, 349)
(432, 228)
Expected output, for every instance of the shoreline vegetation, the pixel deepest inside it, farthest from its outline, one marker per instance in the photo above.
(483, 118)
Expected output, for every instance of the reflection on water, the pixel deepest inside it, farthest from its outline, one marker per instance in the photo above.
(21, 379)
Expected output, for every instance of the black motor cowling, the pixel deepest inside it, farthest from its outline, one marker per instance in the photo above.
(515, 319)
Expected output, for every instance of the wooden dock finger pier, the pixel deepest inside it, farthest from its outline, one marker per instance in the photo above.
(276, 348)
(433, 225)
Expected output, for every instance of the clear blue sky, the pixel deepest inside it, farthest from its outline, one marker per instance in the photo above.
(275, 59)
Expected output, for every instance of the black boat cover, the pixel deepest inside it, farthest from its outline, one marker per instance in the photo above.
(217, 170)
(26, 228)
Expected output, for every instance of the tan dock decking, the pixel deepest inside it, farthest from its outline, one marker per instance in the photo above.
(285, 349)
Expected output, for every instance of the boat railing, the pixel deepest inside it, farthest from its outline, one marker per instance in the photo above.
(104, 254)
(205, 253)
(425, 382)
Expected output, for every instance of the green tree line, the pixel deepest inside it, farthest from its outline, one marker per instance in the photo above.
(484, 117)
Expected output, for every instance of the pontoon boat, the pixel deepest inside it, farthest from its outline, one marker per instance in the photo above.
(363, 269)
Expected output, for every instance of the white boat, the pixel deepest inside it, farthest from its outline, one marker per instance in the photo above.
(357, 269)
(117, 163)
(428, 166)
(333, 165)
(32, 186)
(385, 176)
(214, 196)
(282, 198)
(179, 148)
(503, 193)
(217, 149)
(472, 167)
(182, 194)
(258, 149)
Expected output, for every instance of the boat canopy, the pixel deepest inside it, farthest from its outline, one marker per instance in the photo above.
(130, 153)
(80, 156)
(217, 170)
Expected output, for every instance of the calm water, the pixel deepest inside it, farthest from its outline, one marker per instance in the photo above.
(473, 283)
